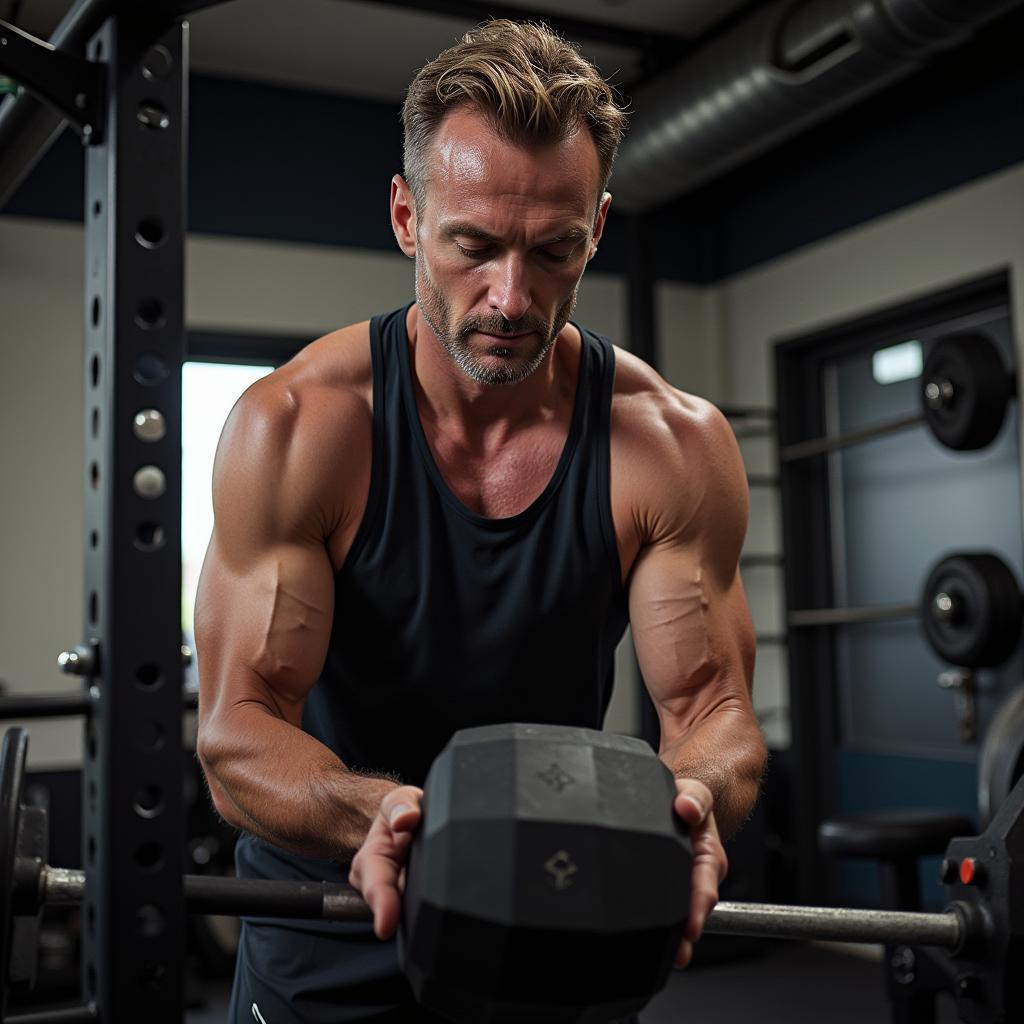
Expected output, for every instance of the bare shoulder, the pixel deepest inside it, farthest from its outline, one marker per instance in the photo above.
(296, 437)
(675, 453)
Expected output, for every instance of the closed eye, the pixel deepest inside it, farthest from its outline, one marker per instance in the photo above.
(475, 254)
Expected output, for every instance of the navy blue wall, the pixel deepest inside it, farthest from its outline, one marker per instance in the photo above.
(293, 165)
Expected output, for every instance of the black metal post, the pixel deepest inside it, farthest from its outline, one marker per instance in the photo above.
(643, 327)
(132, 800)
(29, 127)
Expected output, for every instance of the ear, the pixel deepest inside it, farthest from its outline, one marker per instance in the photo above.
(602, 213)
(403, 215)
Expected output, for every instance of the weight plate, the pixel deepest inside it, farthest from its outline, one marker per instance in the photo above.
(1001, 762)
(971, 610)
(965, 388)
(12, 778)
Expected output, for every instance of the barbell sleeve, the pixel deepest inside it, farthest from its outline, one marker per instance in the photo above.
(256, 897)
(778, 921)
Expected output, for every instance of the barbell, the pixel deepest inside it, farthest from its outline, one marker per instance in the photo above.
(965, 389)
(516, 903)
(971, 608)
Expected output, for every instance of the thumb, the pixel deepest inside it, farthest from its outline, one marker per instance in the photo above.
(402, 808)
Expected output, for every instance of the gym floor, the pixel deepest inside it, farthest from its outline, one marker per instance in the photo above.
(788, 983)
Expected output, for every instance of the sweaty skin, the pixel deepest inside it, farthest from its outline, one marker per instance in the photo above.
(500, 250)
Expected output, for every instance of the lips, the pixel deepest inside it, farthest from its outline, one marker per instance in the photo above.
(500, 338)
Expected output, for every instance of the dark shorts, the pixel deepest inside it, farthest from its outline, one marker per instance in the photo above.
(297, 975)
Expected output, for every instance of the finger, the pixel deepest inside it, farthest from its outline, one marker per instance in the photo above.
(703, 897)
(684, 954)
(401, 808)
(386, 905)
(693, 801)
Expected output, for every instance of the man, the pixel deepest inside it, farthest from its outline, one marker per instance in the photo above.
(443, 518)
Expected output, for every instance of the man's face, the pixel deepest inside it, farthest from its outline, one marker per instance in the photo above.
(502, 244)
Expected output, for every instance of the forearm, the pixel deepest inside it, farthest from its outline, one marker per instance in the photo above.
(274, 780)
(727, 753)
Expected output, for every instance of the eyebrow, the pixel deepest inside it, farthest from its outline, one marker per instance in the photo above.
(468, 230)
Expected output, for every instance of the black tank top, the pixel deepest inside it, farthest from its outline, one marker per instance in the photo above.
(445, 618)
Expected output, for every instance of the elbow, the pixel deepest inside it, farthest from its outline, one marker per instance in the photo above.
(211, 757)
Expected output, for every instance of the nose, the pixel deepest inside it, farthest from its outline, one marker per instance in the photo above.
(509, 292)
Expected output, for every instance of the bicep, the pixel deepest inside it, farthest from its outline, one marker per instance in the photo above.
(691, 624)
(692, 633)
(266, 597)
(262, 629)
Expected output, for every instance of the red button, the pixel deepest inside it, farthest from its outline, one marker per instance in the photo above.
(967, 870)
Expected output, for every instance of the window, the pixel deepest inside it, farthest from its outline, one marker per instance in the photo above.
(208, 393)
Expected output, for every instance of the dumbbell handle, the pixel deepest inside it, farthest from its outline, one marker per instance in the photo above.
(211, 894)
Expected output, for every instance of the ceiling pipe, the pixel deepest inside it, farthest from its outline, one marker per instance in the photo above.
(786, 67)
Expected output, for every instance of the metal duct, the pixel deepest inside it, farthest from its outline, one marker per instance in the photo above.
(786, 67)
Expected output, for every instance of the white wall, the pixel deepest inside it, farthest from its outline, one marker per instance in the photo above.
(714, 341)
(232, 284)
(953, 237)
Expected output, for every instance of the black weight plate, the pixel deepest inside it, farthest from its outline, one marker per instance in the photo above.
(1001, 762)
(986, 623)
(12, 778)
(972, 417)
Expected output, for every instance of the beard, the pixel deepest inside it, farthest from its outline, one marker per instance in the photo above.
(488, 363)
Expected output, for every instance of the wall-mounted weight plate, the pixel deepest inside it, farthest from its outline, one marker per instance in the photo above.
(1001, 762)
(971, 609)
(965, 388)
(12, 778)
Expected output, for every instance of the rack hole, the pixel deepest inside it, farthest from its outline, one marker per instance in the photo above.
(94, 539)
(150, 233)
(95, 422)
(148, 677)
(150, 920)
(96, 311)
(94, 607)
(150, 370)
(150, 537)
(149, 802)
(150, 738)
(149, 856)
(97, 208)
(94, 371)
(94, 475)
(150, 315)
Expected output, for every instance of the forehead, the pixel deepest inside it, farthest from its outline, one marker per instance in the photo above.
(471, 166)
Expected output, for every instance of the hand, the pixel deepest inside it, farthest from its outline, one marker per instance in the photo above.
(378, 868)
(694, 804)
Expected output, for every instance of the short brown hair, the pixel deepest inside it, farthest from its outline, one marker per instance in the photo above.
(531, 83)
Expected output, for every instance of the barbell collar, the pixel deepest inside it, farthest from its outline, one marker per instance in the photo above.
(888, 927)
(61, 886)
(938, 393)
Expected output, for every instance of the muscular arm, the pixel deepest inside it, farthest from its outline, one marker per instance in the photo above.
(263, 619)
(691, 626)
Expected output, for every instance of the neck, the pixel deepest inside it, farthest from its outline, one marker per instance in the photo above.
(451, 398)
